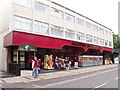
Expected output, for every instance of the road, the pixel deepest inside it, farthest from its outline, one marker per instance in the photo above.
(107, 78)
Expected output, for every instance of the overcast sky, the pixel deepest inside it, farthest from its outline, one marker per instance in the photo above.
(104, 12)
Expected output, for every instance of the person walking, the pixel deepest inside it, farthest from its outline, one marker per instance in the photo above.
(35, 66)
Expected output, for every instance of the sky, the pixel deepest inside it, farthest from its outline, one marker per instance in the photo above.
(104, 12)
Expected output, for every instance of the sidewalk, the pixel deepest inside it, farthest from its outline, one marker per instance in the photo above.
(26, 75)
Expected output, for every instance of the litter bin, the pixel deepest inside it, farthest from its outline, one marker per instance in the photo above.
(15, 69)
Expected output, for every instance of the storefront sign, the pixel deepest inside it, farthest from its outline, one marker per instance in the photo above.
(94, 47)
(78, 44)
(27, 47)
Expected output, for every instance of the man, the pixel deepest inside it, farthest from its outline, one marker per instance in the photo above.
(35, 66)
(59, 64)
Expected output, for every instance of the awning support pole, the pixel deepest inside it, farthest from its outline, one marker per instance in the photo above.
(34, 53)
(17, 57)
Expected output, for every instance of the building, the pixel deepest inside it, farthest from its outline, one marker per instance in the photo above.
(52, 28)
(119, 26)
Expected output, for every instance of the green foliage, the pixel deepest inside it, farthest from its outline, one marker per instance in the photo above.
(116, 42)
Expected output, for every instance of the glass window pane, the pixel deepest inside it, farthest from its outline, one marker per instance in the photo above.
(89, 38)
(80, 36)
(56, 12)
(69, 18)
(26, 3)
(41, 27)
(41, 7)
(23, 23)
(69, 34)
(57, 31)
(80, 21)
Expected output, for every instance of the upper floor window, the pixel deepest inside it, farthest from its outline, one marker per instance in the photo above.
(101, 41)
(79, 21)
(57, 13)
(110, 33)
(96, 40)
(56, 31)
(69, 17)
(70, 34)
(95, 27)
(80, 36)
(105, 32)
(89, 38)
(41, 27)
(106, 42)
(26, 3)
(88, 24)
(110, 44)
(41, 7)
(102, 31)
(22, 23)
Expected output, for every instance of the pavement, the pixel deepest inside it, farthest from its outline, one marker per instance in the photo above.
(51, 74)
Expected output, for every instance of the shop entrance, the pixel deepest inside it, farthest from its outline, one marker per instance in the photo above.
(20, 58)
(26, 60)
(24, 55)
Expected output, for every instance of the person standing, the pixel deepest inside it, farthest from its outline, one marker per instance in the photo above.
(33, 62)
(67, 64)
(59, 64)
(35, 66)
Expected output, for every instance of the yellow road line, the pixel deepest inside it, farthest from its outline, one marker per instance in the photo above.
(64, 75)
(36, 86)
(71, 74)
(33, 80)
(67, 81)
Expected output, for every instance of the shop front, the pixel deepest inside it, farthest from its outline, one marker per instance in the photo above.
(48, 49)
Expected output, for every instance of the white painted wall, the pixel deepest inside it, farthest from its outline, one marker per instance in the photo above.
(3, 52)
(5, 9)
(46, 17)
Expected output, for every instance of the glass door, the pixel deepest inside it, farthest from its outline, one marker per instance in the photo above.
(22, 59)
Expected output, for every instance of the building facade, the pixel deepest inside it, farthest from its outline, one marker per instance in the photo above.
(52, 29)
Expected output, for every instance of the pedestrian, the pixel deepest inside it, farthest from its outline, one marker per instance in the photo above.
(33, 62)
(39, 65)
(35, 66)
(59, 64)
(67, 64)
(70, 63)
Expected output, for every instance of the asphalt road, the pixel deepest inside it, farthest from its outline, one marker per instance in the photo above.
(104, 80)
(107, 78)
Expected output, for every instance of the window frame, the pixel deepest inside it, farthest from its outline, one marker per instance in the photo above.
(41, 25)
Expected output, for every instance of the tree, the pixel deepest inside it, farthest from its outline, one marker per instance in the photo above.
(116, 42)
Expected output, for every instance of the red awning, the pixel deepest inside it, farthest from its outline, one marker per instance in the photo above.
(17, 38)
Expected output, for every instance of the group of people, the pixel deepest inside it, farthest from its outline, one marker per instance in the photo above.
(59, 64)
(63, 63)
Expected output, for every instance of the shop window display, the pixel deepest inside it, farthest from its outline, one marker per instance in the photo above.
(90, 60)
(48, 62)
(108, 61)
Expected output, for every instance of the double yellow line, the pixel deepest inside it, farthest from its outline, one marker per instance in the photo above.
(67, 81)
(60, 76)
(62, 82)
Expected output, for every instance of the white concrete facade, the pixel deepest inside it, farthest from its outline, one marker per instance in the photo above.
(16, 8)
